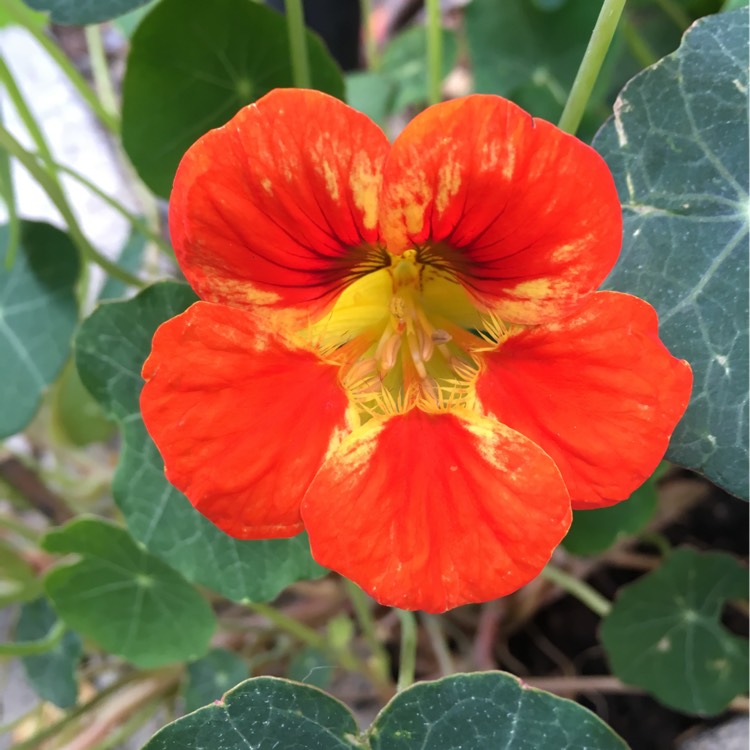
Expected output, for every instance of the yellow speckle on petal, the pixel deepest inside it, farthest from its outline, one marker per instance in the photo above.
(267, 185)
(364, 180)
(490, 156)
(449, 181)
(332, 183)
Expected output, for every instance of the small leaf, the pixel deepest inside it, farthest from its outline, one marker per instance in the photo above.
(82, 12)
(110, 348)
(210, 677)
(51, 674)
(38, 314)
(486, 711)
(263, 713)
(678, 148)
(178, 86)
(311, 666)
(371, 93)
(128, 601)
(595, 531)
(405, 65)
(664, 635)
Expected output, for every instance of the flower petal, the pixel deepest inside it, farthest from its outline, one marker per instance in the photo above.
(431, 511)
(525, 215)
(598, 392)
(242, 421)
(279, 207)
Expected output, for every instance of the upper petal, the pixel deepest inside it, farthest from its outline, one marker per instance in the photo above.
(431, 511)
(525, 215)
(598, 392)
(279, 207)
(242, 421)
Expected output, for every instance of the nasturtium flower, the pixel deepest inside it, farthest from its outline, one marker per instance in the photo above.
(399, 347)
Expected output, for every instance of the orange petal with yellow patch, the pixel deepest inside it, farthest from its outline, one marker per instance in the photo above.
(278, 208)
(526, 216)
(598, 391)
(432, 511)
(242, 421)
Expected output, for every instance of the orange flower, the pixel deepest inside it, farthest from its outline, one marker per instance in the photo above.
(400, 349)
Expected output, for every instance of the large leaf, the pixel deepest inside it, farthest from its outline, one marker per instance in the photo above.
(463, 712)
(128, 601)
(38, 314)
(678, 148)
(110, 349)
(81, 12)
(52, 674)
(664, 633)
(192, 65)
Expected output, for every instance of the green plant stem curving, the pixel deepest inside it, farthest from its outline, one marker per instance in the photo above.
(578, 589)
(601, 38)
(434, 52)
(408, 651)
(361, 606)
(24, 16)
(295, 23)
(100, 70)
(372, 54)
(48, 182)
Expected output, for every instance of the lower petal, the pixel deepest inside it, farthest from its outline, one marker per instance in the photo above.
(432, 511)
(242, 421)
(598, 392)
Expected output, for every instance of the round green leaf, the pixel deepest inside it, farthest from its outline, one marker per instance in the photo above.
(264, 713)
(82, 12)
(371, 93)
(111, 347)
(52, 674)
(210, 677)
(487, 711)
(128, 601)
(595, 531)
(664, 634)
(192, 65)
(678, 149)
(38, 314)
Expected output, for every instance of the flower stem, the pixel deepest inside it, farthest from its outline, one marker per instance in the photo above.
(578, 589)
(48, 181)
(675, 13)
(22, 15)
(372, 54)
(100, 70)
(408, 651)
(639, 47)
(361, 607)
(434, 52)
(295, 24)
(601, 38)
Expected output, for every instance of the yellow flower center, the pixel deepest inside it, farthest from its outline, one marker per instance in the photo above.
(405, 334)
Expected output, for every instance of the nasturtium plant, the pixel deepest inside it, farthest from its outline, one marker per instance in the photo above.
(179, 86)
(462, 712)
(375, 345)
(664, 632)
(677, 146)
(125, 599)
(156, 513)
(38, 314)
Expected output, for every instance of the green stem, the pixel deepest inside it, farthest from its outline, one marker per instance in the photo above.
(639, 47)
(295, 24)
(8, 194)
(601, 37)
(578, 589)
(29, 648)
(434, 629)
(312, 638)
(22, 15)
(50, 185)
(372, 54)
(362, 611)
(100, 70)
(141, 225)
(434, 52)
(675, 13)
(408, 652)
